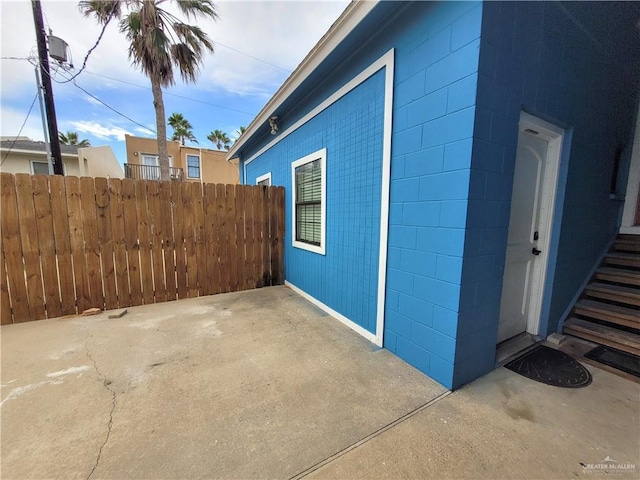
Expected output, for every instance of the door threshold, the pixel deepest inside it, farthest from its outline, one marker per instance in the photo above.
(515, 346)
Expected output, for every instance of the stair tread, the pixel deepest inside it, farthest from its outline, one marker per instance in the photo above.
(602, 331)
(617, 289)
(631, 313)
(622, 272)
(625, 255)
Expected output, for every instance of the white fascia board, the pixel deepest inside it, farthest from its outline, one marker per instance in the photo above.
(342, 27)
(35, 152)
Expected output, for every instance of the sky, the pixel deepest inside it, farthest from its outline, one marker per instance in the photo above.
(257, 45)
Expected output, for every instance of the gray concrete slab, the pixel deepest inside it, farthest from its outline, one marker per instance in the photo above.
(504, 426)
(257, 384)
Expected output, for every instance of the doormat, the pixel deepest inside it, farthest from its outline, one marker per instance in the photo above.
(626, 362)
(553, 367)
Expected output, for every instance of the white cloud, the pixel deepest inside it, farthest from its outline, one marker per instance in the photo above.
(104, 132)
(278, 32)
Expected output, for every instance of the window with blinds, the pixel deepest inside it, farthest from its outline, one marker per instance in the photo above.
(309, 202)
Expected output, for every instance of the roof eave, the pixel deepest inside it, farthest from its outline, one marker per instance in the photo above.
(355, 12)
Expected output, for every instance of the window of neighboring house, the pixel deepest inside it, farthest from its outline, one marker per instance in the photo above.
(193, 166)
(42, 168)
(309, 201)
(264, 180)
(39, 168)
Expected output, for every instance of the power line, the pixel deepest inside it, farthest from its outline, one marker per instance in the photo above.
(95, 45)
(105, 104)
(172, 94)
(251, 56)
(20, 131)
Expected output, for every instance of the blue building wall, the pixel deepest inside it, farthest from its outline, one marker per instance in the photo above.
(574, 65)
(346, 278)
(433, 118)
(436, 69)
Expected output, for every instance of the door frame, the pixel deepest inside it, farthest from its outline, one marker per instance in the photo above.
(633, 184)
(554, 135)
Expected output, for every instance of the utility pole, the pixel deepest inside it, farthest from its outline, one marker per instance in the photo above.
(45, 77)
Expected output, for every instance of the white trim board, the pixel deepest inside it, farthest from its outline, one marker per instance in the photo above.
(386, 61)
(262, 178)
(349, 323)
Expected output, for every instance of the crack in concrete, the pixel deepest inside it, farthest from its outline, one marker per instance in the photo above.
(105, 382)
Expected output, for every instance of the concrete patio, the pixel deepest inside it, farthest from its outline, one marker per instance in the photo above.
(262, 384)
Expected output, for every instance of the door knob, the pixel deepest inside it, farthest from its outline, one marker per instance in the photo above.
(535, 251)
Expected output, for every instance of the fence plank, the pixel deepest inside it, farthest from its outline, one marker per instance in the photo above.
(5, 301)
(119, 243)
(91, 239)
(201, 251)
(257, 236)
(190, 240)
(130, 225)
(264, 222)
(231, 244)
(62, 237)
(212, 275)
(77, 244)
(105, 240)
(46, 243)
(166, 235)
(248, 237)
(278, 240)
(12, 248)
(224, 222)
(240, 233)
(178, 238)
(155, 224)
(30, 250)
(144, 235)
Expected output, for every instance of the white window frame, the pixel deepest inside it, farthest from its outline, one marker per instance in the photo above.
(33, 172)
(322, 156)
(199, 164)
(262, 178)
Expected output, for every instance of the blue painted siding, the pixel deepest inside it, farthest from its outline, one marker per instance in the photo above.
(575, 65)
(346, 278)
(434, 114)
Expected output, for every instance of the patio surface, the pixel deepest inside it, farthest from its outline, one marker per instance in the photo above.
(262, 384)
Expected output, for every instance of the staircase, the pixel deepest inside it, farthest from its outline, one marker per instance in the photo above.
(608, 312)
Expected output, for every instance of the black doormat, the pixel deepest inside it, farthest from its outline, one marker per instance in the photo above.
(546, 365)
(615, 358)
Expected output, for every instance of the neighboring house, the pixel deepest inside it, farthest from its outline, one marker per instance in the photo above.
(187, 163)
(400, 139)
(27, 156)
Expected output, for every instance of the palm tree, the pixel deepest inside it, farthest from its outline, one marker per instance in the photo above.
(158, 42)
(239, 132)
(182, 128)
(219, 139)
(71, 138)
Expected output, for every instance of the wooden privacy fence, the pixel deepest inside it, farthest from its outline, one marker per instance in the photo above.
(69, 244)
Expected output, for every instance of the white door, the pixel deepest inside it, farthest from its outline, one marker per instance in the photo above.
(524, 244)
(150, 170)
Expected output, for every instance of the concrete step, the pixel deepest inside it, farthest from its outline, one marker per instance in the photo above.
(618, 275)
(603, 335)
(629, 317)
(615, 293)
